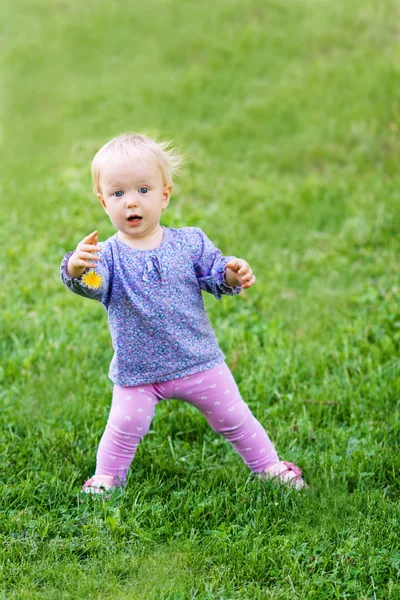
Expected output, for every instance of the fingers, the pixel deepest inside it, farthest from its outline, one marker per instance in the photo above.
(88, 248)
(86, 259)
(249, 283)
(233, 264)
(84, 256)
(238, 265)
(245, 274)
(88, 256)
(243, 271)
(80, 263)
(91, 239)
(248, 279)
(86, 251)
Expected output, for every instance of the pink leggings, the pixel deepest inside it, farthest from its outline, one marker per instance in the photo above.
(214, 392)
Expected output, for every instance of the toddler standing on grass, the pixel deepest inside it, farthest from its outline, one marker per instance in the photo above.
(150, 280)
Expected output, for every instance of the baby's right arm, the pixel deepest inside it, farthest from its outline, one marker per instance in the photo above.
(84, 272)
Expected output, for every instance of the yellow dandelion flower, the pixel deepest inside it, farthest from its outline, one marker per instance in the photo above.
(92, 279)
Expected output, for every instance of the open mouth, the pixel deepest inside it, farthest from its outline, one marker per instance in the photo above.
(134, 218)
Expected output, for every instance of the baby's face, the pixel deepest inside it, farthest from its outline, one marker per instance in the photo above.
(134, 197)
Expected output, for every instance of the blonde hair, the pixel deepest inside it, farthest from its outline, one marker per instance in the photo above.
(133, 147)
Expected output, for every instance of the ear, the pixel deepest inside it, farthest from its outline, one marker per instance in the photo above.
(167, 191)
(101, 200)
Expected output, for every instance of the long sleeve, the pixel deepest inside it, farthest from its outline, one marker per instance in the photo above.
(78, 286)
(210, 265)
(159, 327)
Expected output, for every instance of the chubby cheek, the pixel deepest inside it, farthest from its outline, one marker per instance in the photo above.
(114, 217)
(149, 211)
(107, 208)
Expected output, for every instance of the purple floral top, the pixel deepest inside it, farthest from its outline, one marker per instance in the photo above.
(158, 324)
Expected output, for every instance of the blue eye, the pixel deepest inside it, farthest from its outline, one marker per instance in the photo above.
(119, 194)
(144, 190)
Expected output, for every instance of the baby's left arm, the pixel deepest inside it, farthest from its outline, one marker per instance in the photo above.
(211, 269)
(239, 272)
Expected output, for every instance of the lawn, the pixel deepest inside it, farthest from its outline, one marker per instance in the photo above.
(288, 114)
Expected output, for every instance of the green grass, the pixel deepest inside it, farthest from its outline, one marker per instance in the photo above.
(289, 116)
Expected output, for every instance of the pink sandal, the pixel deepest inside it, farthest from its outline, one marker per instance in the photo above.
(286, 472)
(98, 484)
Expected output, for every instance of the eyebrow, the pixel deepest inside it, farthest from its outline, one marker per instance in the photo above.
(142, 181)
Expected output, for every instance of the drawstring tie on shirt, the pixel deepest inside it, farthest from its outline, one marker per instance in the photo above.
(153, 262)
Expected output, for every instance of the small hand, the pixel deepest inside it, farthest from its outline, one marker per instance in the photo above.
(84, 255)
(239, 272)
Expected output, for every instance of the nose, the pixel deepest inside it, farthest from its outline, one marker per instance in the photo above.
(131, 200)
